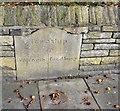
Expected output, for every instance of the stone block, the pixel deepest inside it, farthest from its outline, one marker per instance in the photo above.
(107, 46)
(113, 28)
(110, 60)
(53, 15)
(82, 30)
(92, 15)
(112, 15)
(1, 15)
(10, 16)
(118, 41)
(87, 46)
(62, 12)
(94, 28)
(106, 15)
(116, 35)
(6, 48)
(6, 53)
(76, 30)
(85, 14)
(7, 63)
(71, 15)
(98, 35)
(6, 40)
(90, 61)
(99, 15)
(114, 52)
(4, 31)
(99, 41)
(98, 67)
(78, 15)
(94, 53)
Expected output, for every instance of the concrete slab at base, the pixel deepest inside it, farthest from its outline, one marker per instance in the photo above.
(11, 101)
(71, 94)
(105, 98)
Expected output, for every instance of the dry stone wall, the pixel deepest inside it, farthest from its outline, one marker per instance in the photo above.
(99, 26)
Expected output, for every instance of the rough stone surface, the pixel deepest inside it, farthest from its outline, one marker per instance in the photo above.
(7, 63)
(109, 60)
(98, 35)
(94, 53)
(8, 75)
(6, 53)
(47, 53)
(106, 98)
(72, 94)
(1, 15)
(110, 28)
(89, 61)
(10, 100)
(92, 15)
(87, 46)
(98, 67)
(6, 40)
(99, 15)
(114, 52)
(116, 35)
(85, 15)
(77, 30)
(107, 46)
(15, 102)
(6, 48)
(99, 41)
(4, 31)
(118, 41)
(112, 15)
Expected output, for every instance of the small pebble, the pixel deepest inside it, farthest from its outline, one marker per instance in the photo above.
(108, 88)
(99, 80)
(33, 97)
(116, 106)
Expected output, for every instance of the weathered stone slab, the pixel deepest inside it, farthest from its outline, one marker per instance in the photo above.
(1, 15)
(8, 75)
(98, 35)
(94, 53)
(99, 41)
(6, 40)
(92, 14)
(99, 15)
(107, 46)
(7, 63)
(6, 53)
(98, 67)
(90, 61)
(47, 53)
(116, 35)
(113, 28)
(62, 15)
(12, 101)
(114, 52)
(105, 98)
(85, 15)
(87, 46)
(110, 60)
(72, 93)
(6, 48)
